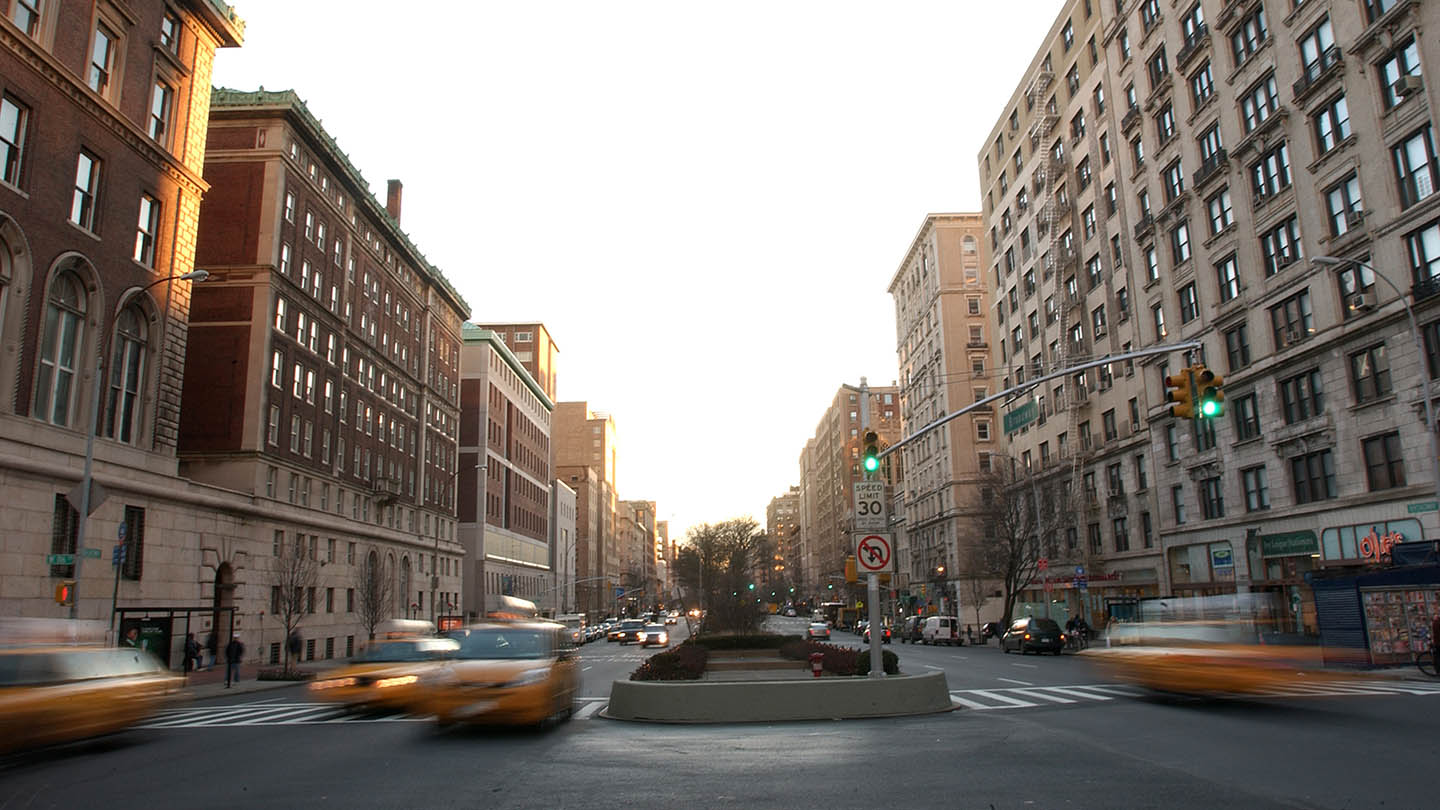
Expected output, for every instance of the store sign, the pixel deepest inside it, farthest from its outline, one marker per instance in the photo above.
(1343, 544)
(1376, 547)
(1289, 544)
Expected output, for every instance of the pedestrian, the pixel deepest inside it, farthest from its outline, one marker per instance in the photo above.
(1434, 638)
(211, 650)
(234, 651)
(192, 653)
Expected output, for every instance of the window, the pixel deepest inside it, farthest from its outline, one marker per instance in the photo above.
(1072, 80)
(309, 226)
(1152, 264)
(1165, 123)
(1375, 9)
(1174, 178)
(26, 16)
(1291, 320)
(102, 60)
(1314, 476)
(1343, 207)
(134, 543)
(1112, 202)
(146, 230)
(1250, 36)
(1158, 313)
(272, 426)
(294, 448)
(60, 344)
(277, 368)
(1237, 347)
(1257, 491)
(1083, 174)
(279, 313)
(13, 119)
(1302, 397)
(170, 32)
(1247, 417)
(1212, 498)
(982, 430)
(1353, 280)
(1172, 443)
(1227, 273)
(290, 207)
(1189, 303)
(1370, 374)
(1384, 463)
(1067, 34)
(161, 100)
(1280, 246)
(1202, 84)
(87, 186)
(127, 375)
(1403, 61)
(1271, 174)
(1332, 124)
(1158, 69)
(1137, 153)
(64, 534)
(1259, 103)
(1415, 167)
(1180, 242)
(1423, 246)
(1177, 503)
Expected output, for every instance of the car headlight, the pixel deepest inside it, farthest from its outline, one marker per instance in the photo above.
(333, 683)
(528, 677)
(664, 638)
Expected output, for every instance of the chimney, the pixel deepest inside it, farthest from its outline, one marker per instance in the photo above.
(393, 189)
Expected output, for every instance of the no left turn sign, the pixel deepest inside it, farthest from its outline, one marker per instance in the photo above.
(873, 553)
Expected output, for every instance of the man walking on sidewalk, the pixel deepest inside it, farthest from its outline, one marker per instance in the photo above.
(234, 651)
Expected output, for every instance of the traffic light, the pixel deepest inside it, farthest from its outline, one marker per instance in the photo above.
(871, 451)
(752, 586)
(65, 592)
(1210, 389)
(1178, 391)
(850, 575)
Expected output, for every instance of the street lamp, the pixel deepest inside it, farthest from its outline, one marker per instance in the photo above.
(87, 479)
(1430, 426)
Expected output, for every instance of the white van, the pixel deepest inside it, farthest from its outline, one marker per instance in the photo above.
(942, 630)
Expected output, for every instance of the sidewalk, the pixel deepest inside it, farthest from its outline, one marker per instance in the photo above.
(209, 683)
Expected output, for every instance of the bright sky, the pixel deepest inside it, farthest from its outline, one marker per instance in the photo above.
(704, 202)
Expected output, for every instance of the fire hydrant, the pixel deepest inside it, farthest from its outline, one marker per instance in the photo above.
(817, 663)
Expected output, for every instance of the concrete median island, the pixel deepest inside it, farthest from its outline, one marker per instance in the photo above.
(752, 701)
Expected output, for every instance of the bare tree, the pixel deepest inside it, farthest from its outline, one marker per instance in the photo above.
(293, 579)
(1020, 519)
(977, 588)
(373, 591)
(719, 564)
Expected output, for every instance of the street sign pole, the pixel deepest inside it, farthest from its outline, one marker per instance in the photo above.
(872, 582)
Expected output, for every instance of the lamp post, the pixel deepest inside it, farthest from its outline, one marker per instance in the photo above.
(1430, 426)
(87, 479)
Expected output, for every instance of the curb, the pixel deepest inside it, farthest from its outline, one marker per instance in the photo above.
(684, 702)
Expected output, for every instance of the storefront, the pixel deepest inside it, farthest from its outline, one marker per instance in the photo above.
(1201, 569)
(1279, 564)
(1380, 616)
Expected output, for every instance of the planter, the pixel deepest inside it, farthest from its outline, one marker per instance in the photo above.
(828, 698)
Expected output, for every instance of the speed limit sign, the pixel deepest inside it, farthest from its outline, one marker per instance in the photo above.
(870, 511)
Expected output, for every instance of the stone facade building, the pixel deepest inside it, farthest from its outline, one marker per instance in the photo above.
(586, 458)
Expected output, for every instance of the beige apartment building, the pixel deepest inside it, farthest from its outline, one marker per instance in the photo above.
(782, 527)
(942, 345)
(1247, 144)
(829, 466)
(585, 456)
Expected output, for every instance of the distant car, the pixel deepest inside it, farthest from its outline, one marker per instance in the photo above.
(672, 619)
(1033, 634)
(654, 634)
(790, 612)
(941, 630)
(627, 631)
(861, 627)
(884, 638)
(912, 629)
(818, 630)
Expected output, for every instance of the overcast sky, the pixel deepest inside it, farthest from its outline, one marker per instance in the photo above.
(704, 202)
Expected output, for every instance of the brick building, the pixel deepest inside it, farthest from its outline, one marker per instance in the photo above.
(585, 460)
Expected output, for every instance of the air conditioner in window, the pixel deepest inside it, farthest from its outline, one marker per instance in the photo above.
(1360, 302)
(1354, 219)
(1406, 85)
(1100, 331)
(1289, 338)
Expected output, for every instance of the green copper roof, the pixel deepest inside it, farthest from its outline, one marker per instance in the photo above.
(470, 333)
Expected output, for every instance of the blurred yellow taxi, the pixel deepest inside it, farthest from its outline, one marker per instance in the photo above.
(1203, 658)
(57, 685)
(385, 675)
(512, 673)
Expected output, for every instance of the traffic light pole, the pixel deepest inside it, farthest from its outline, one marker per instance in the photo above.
(872, 581)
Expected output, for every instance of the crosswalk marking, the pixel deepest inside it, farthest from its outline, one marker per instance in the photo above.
(1033, 696)
(270, 713)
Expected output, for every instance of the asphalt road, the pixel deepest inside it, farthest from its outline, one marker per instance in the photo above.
(1057, 740)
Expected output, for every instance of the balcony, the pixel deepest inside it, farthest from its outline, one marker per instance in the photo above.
(1038, 85)
(1193, 44)
(1210, 167)
(1317, 72)
(1145, 227)
(386, 490)
(1426, 288)
(1130, 119)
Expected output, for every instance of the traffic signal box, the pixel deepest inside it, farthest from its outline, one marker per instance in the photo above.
(1195, 392)
(1178, 391)
(1209, 390)
(850, 573)
(870, 453)
(65, 592)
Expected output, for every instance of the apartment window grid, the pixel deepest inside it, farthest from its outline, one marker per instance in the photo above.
(1180, 242)
(1331, 124)
(1291, 320)
(1302, 396)
(14, 118)
(26, 16)
(162, 98)
(1403, 61)
(1177, 503)
(1202, 85)
(1416, 167)
(87, 189)
(1227, 275)
(1247, 417)
(1259, 103)
(1271, 174)
(1120, 527)
(1343, 206)
(1189, 303)
(146, 230)
(1248, 38)
(1353, 280)
(102, 59)
(1370, 374)
(1313, 475)
(1423, 247)
(1212, 498)
(1384, 461)
(1174, 178)
(1257, 490)
(1237, 346)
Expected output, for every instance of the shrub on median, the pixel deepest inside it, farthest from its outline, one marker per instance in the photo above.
(684, 663)
(838, 660)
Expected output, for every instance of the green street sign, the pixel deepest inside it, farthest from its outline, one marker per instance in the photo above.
(1289, 544)
(60, 559)
(91, 553)
(1423, 506)
(1021, 417)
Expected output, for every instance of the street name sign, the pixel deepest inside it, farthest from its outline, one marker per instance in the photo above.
(874, 553)
(60, 559)
(91, 553)
(870, 510)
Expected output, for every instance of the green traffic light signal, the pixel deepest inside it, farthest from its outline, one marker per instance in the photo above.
(1211, 393)
(831, 586)
(752, 586)
(871, 451)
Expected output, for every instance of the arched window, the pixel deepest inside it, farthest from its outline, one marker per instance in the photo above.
(59, 350)
(969, 243)
(127, 374)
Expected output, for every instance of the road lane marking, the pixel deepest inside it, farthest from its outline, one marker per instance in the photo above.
(586, 669)
(995, 695)
(1027, 666)
(1080, 692)
(1043, 695)
(1012, 680)
(589, 709)
(931, 666)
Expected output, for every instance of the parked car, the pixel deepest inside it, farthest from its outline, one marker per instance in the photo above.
(991, 630)
(1033, 633)
(942, 630)
(818, 630)
(884, 638)
(911, 629)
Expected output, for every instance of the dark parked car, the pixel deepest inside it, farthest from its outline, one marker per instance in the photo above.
(911, 629)
(991, 630)
(1033, 633)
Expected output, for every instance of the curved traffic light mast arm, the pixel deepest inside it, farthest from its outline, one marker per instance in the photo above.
(1148, 351)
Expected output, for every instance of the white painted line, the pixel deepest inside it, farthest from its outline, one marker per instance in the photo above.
(204, 720)
(1042, 694)
(1078, 691)
(588, 710)
(1012, 680)
(1016, 702)
(1119, 689)
(1027, 666)
(931, 666)
(266, 718)
(974, 705)
(602, 697)
(586, 669)
(961, 657)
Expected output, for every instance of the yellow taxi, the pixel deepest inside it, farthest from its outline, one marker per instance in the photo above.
(504, 673)
(59, 683)
(385, 675)
(1203, 658)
